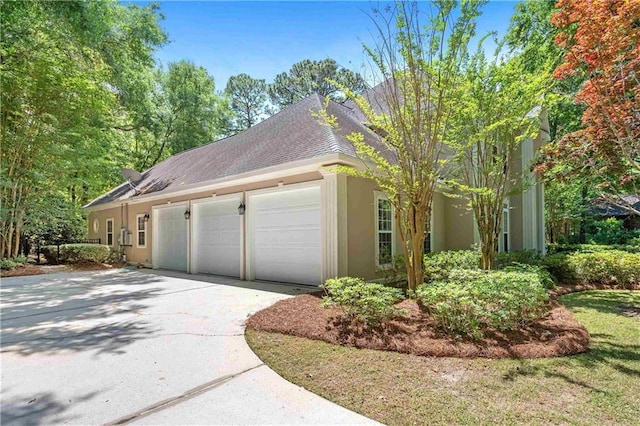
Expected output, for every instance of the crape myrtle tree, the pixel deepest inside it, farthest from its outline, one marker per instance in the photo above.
(602, 48)
(498, 108)
(418, 60)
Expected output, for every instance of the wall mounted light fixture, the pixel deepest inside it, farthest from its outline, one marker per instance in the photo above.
(146, 217)
(241, 208)
(187, 214)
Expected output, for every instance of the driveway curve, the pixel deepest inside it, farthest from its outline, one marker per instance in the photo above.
(147, 347)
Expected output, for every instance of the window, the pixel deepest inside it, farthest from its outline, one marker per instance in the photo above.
(384, 231)
(505, 228)
(109, 229)
(141, 231)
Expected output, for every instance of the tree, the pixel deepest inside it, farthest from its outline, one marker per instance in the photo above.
(248, 99)
(601, 39)
(499, 104)
(419, 66)
(325, 77)
(186, 113)
(62, 86)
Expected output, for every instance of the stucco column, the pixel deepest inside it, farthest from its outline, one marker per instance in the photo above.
(334, 212)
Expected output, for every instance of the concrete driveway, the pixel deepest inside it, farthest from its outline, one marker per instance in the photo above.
(127, 346)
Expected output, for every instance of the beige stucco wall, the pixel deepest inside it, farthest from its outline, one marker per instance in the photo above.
(126, 213)
(361, 227)
(458, 224)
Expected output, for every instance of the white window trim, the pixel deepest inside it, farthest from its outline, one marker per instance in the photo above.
(506, 228)
(381, 196)
(138, 230)
(107, 233)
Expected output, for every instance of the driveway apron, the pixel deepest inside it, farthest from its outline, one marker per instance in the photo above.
(128, 346)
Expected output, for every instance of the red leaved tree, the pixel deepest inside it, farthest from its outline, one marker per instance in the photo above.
(602, 40)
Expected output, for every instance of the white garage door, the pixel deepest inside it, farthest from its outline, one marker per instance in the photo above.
(286, 237)
(216, 237)
(170, 238)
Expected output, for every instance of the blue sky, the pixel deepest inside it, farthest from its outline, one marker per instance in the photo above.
(264, 38)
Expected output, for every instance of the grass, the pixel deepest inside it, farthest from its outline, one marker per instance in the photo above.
(601, 387)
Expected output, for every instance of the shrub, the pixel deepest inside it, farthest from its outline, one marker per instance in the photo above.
(526, 257)
(76, 253)
(371, 303)
(499, 300)
(437, 266)
(590, 248)
(612, 267)
(546, 278)
(608, 231)
(9, 264)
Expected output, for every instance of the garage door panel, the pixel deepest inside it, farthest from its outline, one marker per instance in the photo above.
(170, 247)
(287, 236)
(217, 237)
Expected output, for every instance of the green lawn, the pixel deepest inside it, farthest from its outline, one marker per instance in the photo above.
(597, 388)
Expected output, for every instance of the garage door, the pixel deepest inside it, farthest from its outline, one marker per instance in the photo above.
(170, 237)
(285, 236)
(216, 237)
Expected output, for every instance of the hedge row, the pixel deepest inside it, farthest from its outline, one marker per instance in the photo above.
(76, 253)
(611, 267)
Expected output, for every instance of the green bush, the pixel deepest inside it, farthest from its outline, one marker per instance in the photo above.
(77, 253)
(371, 303)
(546, 278)
(437, 266)
(525, 257)
(477, 301)
(608, 231)
(9, 264)
(612, 267)
(591, 248)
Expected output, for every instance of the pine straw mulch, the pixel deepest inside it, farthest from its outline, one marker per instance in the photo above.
(558, 333)
(31, 269)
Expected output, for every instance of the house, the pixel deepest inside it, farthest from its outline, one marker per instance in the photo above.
(267, 204)
(612, 207)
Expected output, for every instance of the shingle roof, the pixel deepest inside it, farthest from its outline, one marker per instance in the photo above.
(291, 135)
(601, 206)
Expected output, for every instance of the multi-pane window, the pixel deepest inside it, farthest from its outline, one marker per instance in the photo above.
(384, 218)
(505, 227)
(109, 229)
(141, 231)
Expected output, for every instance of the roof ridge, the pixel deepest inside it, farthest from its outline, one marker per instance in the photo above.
(334, 144)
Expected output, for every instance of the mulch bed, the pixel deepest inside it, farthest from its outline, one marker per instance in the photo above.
(558, 333)
(573, 288)
(30, 269)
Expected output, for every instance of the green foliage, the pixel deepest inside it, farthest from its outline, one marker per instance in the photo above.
(370, 303)
(69, 70)
(608, 231)
(598, 266)
(477, 301)
(506, 103)
(527, 257)
(9, 264)
(611, 267)
(307, 77)
(591, 248)
(546, 278)
(248, 99)
(438, 266)
(77, 253)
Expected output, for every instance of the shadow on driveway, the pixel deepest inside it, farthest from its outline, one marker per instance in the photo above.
(74, 312)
